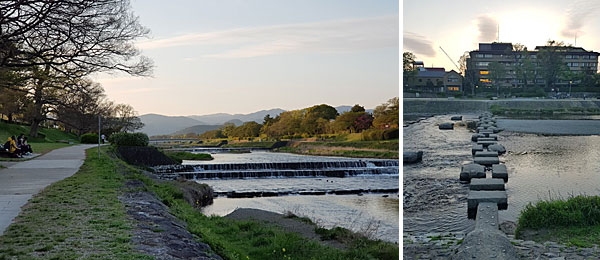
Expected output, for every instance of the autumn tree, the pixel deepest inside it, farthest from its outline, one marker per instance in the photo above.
(387, 115)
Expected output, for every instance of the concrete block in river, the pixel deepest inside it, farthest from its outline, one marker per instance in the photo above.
(481, 128)
(469, 171)
(412, 157)
(495, 136)
(486, 139)
(487, 184)
(497, 148)
(499, 171)
(498, 197)
(486, 154)
(475, 137)
(476, 148)
(486, 241)
(486, 132)
(487, 161)
(485, 143)
(446, 126)
(456, 118)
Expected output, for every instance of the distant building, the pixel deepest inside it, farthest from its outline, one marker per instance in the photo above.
(577, 59)
(435, 80)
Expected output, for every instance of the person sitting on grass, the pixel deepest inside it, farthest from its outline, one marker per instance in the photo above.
(13, 148)
(25, 147)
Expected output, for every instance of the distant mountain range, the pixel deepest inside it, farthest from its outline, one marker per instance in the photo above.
(155, 124)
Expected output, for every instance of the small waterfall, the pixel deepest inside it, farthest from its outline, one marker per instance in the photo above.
(282, 169)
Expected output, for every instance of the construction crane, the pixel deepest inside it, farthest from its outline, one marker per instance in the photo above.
(450, 58)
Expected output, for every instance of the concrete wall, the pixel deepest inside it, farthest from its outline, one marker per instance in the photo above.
(445, 106)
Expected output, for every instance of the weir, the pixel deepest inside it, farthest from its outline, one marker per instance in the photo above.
(281, 169)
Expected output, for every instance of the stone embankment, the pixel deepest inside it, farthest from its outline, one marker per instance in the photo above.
(444, 106)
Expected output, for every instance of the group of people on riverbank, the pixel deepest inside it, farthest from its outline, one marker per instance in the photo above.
(18, 146)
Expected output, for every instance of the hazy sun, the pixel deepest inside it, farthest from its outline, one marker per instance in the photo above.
(531, 27)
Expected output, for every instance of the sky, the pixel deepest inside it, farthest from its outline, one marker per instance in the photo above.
(242, 56)
(458, 26)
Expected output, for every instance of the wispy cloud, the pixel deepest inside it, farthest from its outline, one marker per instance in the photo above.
(488, 28)
(418, 44)
(577, 14)
(329, 36)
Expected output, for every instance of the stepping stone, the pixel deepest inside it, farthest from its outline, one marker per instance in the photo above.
(487, 216)
(486, 132)
(475, 137)
(486, 143)
(481, 128)
(495, 136)
(456, 118)
(412, 157)
(499, 171)
(487, 161)
(446, 126)
(498, 197)
(469, 171)
(487, 184)
(486, 154)
(485, 139)
(497, 148)
(476, 148)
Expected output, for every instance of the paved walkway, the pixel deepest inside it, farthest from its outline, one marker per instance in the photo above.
(20, 181)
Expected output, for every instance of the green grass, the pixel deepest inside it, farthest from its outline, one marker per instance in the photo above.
(180, 155)
(252, 240)
(575, 221)
(78, 217)
(43, 148)
(49, 135)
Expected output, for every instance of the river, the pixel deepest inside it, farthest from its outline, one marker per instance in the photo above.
(546, 159)
(287, 176)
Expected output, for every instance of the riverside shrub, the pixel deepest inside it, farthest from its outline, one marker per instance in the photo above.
(89, 138)
(380, 134)
(129, 139)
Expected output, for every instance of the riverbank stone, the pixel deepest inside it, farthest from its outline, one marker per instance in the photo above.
(412, 157)
(476, 148)
(486, 154)
(487, 184)
(497, 148)
(446, 126)
(487, 161)
(456, 118)
(469, 171)
(499, 171)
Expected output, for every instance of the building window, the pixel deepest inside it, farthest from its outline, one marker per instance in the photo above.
(452, 88)
(482, 63)
(452, 79)
(488, 56)
(485, 80)
(575, 64)
(478, 55)
(484, 72)
(569, 56)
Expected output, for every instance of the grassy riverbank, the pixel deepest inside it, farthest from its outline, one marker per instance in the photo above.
(575, 221)
(78, 217)
(82, 217)
(361, 149)
(179, 156)
(46, 142)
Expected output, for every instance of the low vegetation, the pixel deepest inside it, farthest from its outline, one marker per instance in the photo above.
(252, 240)
(179, 156)
(78, 217)
(267, 144)
(575, 221)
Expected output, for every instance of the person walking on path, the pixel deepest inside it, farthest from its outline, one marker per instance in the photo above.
(103, 137)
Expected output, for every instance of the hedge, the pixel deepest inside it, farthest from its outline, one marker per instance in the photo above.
(89, 138)
(129, 139)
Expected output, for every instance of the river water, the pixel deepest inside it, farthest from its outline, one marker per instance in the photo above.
(546, 159)
(374, 214)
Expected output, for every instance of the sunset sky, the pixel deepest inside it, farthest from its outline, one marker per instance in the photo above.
(242, 56)
(458, 26)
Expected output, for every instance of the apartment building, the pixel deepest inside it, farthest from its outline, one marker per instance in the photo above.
(577, 59)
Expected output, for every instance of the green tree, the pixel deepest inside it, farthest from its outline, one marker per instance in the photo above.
(469, 75)
(357, 108)
(409, 72)
(497, 73)
(551, 62)
(387, 115)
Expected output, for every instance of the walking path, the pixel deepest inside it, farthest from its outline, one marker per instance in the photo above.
(20, 181)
